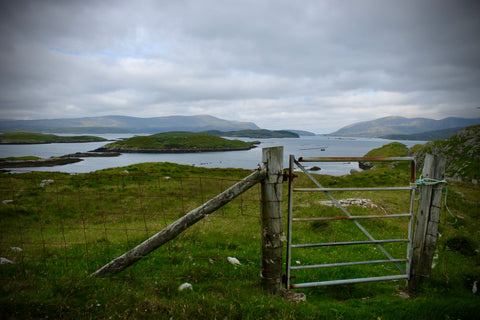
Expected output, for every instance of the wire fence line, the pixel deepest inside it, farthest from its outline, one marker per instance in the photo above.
(61, 226)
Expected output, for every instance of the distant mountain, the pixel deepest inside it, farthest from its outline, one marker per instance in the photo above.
(250, 133)
(425, 136)
(399, 125)
(117, 124)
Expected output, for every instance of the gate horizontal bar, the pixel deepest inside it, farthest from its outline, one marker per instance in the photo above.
(340, 159)
(353, 189)
(354, 217)
(347, 243)
(343, 264)
(347, 281)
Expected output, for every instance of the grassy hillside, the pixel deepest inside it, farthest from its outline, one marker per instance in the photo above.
(462, 153)
(176, 142)
(33, 138)
(69, 225)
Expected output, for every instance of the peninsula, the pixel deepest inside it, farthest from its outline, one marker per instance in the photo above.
(175, 142)
(39, 138)
(33, 161)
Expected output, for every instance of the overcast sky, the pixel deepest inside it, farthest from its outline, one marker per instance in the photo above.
(313, 65)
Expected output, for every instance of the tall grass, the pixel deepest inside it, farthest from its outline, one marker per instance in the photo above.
(74, 224)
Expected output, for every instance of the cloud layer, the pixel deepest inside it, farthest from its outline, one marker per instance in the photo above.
(312, 65)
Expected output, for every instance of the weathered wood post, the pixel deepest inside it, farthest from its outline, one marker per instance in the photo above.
(174, 229)
(428, 217)
(271, 214)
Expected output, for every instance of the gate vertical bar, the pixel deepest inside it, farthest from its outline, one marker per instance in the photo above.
(289, 225)
(410, 220)
(272, 230)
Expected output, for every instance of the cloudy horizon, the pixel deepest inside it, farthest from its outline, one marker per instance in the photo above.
(306, 65)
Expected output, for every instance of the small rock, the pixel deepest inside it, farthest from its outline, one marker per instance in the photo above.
(7, 201)
(6, 261)
(185, 286)
(16, 249)
(293, 296)
(46, 182)
(234, 261)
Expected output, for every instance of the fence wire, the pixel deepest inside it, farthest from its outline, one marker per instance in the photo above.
(61, 226)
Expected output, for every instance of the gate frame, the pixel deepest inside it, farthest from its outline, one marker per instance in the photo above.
(411, 187)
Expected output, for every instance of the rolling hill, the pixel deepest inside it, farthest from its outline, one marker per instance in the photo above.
(117, 124)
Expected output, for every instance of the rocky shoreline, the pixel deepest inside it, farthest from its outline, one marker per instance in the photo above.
(38, 163)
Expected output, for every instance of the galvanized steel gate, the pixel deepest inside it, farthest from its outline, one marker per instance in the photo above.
(404, 272)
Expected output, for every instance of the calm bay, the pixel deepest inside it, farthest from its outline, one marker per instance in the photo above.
(312, 146)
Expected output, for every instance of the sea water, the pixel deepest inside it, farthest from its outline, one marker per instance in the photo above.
(305, 146)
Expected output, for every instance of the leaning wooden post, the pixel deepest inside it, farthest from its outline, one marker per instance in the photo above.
(177, 227)
(428, 217)
(271, 212)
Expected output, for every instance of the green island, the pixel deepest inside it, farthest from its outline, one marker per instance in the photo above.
(38, 138)
(176, 142)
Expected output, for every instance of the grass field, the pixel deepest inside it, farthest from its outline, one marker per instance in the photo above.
(68, 226)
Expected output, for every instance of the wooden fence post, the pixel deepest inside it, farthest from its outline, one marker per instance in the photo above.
(428, 217)
(271, 214)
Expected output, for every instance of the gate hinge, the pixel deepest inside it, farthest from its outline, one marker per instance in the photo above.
(287, 175)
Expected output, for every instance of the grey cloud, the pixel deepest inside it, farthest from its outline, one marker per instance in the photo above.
(279, 63)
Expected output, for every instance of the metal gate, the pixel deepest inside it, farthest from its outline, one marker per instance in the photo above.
(404, 271)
